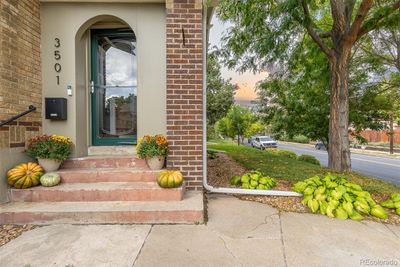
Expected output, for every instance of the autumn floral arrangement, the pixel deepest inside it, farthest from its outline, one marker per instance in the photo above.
(152, 146)
(54, 147)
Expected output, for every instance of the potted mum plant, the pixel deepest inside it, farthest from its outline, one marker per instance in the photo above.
(50, 151)
(153, 149)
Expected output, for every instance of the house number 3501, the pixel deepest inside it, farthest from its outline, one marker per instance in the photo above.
(57, 57)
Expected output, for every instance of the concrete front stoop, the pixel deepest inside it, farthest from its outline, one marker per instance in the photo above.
(103, 189)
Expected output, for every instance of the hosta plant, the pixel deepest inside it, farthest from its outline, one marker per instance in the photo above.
(254, 180)
(336, 197)
(392, 203)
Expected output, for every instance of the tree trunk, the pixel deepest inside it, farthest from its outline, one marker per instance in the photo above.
(325, 142)
(391, 135)
(339, 149)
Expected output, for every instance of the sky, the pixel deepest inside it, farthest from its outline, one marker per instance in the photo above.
(246, 81)
(121, 72)
(121, 69)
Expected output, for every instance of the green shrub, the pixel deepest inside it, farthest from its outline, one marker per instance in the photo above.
(281, 152)
(212, 154)
(301, 139)
(287, 153)
(282, 137)
(297, 139)
(211, 133)
(274, 151)
(309, 159)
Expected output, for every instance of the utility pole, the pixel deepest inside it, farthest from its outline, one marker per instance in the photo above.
(391, 134)
(238, 134)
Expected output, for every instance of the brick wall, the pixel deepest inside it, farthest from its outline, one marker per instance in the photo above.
(184, 89)
(20, 72)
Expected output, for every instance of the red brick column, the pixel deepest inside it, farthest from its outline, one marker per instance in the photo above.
(185, 89)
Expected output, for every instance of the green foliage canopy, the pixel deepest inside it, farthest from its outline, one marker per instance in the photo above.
(220, 92)
(296, 100)
(239, 122)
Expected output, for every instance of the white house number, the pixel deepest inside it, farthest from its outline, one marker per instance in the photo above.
(57, 57)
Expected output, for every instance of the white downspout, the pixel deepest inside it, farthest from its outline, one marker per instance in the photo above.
(205, 184)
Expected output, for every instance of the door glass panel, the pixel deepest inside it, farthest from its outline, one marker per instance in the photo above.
(116, 88)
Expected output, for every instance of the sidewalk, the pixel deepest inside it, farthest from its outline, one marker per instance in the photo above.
(239, 233)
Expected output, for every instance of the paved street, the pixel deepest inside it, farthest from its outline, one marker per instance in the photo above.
(376, 166)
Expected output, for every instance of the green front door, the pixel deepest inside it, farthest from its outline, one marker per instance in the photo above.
(113, 87)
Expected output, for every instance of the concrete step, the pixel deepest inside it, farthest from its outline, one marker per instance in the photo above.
(98, 175)
(112, 150)
(104, 162)
(138, 191)
(188, 211)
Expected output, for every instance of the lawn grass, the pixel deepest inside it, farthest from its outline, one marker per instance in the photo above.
(293, 170)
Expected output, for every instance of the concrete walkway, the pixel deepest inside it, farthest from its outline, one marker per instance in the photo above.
(239, 233)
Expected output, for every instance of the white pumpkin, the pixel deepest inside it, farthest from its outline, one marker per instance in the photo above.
(50, 179)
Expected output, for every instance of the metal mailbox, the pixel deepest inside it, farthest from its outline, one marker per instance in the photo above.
(56, 108)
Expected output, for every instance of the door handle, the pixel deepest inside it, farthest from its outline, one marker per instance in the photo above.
(92, 87)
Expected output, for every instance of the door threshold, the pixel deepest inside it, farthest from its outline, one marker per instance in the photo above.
(121, 150)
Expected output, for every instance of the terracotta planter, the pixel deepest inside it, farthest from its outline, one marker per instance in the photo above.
(156, 163)
(49, 165)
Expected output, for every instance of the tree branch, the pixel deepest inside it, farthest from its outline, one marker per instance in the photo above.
(396, 38)
(348, 12)
(325, 34)
(366, 29)
(390, 46)
(354, 52)
(362, 12)
(374, 53)
(338, 15)
(311, 31)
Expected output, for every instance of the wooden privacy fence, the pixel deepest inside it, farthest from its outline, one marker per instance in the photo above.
(380, 136)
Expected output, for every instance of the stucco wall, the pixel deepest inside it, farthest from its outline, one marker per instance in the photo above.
(8, 158)
(63, 21)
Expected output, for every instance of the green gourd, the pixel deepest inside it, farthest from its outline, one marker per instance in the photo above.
(170, 179)
(50, 179)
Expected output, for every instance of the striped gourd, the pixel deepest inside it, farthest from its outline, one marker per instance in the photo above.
(25, 175)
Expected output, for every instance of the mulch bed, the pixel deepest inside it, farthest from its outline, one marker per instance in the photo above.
(223, 167)
(9, 232)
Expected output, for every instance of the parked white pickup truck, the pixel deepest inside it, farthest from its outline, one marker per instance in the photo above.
(263, 142)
